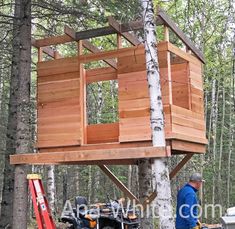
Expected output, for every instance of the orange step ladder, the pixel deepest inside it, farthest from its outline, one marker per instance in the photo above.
(40, 203)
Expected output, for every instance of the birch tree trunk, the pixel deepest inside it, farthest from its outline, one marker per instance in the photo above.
(23, 136)
(8, 172)
(51, 187)
(161, 172)
(145, 189)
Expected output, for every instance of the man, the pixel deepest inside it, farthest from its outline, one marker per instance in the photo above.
(187, 204)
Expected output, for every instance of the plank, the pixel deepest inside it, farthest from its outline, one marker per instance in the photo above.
(57, 77)
(118, 183)
(186, 137)
(101, 133)
(53, 40)
(100, 74)
(188, 121)
(55, 143)
(88, 155)
(58, 66)
(188, 146)
(128, 36)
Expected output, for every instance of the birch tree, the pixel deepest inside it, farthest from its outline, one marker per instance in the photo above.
(160, 167)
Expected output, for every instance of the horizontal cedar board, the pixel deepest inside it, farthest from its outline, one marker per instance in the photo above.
(188, 146)
(101, 133)
(131, 77)
(133, 138)
(88, 155)
(188, 122)
(57, 86)
(113, 145)
(131, 51)
(172, 48)
(52, 120)
(186, 112)
(186, 137)
(179, 67)
(195, 76)
(195, 68)
(196, 84)
(100, 74)
(197, 108)
(198, 92)
(58, 111)
(47, 136)
(58, 66)
(57, 77)
(134, 104)
(131, 63)
(58, 128)
(57, 96)
(63, 104)
(188, 130)
(135, 113)
(56, 143)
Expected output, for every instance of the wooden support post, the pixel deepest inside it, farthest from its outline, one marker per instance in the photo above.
(119, 41)
(82, 73)
(128, 36)
(166, 33)
(40, 54)
(119, 184)
(173, 173)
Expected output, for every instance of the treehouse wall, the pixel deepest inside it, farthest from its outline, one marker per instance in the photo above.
(59, 120)
(62, 99)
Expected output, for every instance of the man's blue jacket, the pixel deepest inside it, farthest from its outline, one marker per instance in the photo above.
(187, 208)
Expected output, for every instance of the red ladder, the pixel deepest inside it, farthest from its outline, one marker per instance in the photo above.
(40, 203)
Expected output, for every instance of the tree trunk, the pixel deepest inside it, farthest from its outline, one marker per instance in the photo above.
(161, 172)
(23, 136)
(145, 189)
(8, 180)
(51, 187)
(221, 147)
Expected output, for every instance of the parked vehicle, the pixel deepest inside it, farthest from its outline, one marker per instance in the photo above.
(100, 216)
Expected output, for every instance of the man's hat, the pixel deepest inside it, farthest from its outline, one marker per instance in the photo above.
(196, 177)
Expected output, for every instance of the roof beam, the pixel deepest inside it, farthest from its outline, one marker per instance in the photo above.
(88, 45)
(47, 50)
(161, 19)
(128, 36)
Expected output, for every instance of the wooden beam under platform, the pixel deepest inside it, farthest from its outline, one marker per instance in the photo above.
(88, 156)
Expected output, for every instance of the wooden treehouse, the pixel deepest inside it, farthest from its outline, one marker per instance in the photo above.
(63, 133)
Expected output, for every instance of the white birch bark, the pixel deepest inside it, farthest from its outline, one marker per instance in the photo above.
(161, 172)
(51, 187)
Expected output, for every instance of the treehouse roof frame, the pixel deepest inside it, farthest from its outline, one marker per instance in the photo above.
(114, 28)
